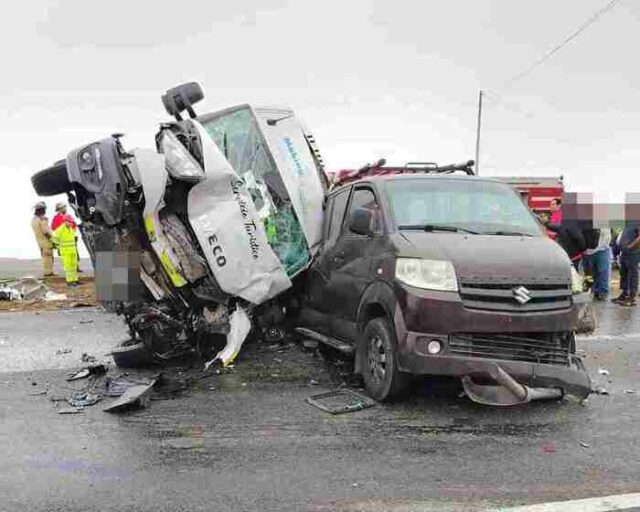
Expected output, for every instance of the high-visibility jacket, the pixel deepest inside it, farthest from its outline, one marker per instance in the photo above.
(65, 238)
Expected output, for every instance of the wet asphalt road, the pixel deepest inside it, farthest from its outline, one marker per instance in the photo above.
(242, 442)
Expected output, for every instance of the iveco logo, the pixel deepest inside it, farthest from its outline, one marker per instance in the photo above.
(521, 294)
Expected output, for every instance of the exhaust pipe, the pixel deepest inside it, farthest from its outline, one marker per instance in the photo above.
(507, 392)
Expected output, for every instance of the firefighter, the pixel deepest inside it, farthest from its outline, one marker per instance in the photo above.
(65, 238)
(42, 232)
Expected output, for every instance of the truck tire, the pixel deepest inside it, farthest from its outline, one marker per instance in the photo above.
(132, 356)
(383, 380)
(52, 181)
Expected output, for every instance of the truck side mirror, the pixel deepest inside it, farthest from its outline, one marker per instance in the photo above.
(361, 221)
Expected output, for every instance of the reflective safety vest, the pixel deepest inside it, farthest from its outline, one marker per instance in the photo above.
(64, 237)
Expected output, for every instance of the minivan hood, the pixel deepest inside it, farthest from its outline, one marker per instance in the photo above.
(491, 258)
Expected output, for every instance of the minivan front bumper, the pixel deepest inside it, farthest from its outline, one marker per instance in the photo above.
(422, 316)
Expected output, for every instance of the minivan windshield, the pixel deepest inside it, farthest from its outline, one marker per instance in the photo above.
(459, 205)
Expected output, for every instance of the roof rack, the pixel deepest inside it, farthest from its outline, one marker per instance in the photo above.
(378, 169)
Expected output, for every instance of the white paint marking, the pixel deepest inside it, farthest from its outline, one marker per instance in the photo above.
(601, 504)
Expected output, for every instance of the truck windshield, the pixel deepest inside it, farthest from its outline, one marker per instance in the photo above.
(238, 136)
(482, 207)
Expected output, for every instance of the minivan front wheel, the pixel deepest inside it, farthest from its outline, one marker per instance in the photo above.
(379, 358)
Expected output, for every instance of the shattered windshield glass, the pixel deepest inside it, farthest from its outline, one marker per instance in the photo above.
(239, 138)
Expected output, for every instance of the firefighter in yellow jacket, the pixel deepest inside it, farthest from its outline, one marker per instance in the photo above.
(64, 237)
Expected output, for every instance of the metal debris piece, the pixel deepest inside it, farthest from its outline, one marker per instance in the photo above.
(341, 401)
(70, 410)
(97, 369)
(135, 396)
(584, 445)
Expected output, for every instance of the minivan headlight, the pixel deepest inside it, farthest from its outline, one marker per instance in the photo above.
(577, 282)
(427, 274)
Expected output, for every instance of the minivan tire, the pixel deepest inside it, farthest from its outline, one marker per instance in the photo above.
(52, 181)
(383, 380)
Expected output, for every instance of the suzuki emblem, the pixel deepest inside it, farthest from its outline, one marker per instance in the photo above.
(521, 294)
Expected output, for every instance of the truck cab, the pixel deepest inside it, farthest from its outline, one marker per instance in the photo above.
(425, 274)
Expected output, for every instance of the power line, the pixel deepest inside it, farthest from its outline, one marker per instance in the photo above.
(590, 21)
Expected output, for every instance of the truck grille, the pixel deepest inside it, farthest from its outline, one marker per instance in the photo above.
(504, 297)
(531, 348)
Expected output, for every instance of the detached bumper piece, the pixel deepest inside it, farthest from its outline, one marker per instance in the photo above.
(507, 391)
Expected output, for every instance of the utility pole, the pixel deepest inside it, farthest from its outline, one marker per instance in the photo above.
(478, 133)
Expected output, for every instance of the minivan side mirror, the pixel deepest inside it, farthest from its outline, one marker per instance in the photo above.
(360, 221)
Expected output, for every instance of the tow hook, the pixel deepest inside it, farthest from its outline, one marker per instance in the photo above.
(507, 392)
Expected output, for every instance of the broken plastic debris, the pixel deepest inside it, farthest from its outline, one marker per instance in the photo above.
(603, 371)
(239, 327)
(83, 399)
(97, 369)
(135, 396)
(54, 296)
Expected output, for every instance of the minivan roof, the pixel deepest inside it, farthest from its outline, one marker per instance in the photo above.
(398, 177)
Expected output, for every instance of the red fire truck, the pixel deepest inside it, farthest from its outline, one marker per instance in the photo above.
(538, 192)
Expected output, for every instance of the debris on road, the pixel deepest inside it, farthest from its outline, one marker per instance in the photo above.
(549, 448)
(135, 396)
(86, 358)
(82, 399)
(239, 327)
(341, 401)
(630, 391)
(86, 321)
(601, 391)
(584, 445)
(97, 369)
(603, 371)
(63, 351)
(70, 410)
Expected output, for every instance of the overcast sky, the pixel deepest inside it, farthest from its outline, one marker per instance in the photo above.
(397, 79)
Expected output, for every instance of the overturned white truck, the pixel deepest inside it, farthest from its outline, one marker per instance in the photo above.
(193, 240)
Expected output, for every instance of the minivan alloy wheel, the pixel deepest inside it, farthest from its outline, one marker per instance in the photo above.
(377, 358)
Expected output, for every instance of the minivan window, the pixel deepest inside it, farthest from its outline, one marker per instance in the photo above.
(479, 206)
(364, 198)
(339, 205)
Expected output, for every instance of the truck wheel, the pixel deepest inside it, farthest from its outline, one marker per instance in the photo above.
(382, 378)
(132, 356)
(52, 181)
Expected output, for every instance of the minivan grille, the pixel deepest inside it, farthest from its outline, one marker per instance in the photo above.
(545, 348)
(504, 297)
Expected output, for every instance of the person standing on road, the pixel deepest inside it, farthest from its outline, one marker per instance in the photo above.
(570, 238)
(629, 261)
(65, 238)
(58, 219)
(42, 232)
(598, 260)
